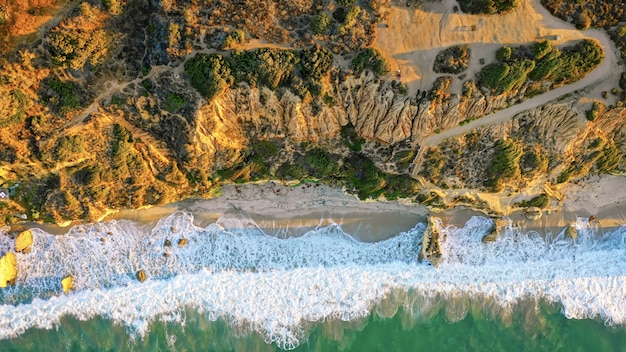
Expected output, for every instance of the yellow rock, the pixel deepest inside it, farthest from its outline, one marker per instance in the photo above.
(141, 276)
(8, 269)
(67, 283)
(23, 241)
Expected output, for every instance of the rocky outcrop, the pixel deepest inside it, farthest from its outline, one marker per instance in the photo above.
(8, 269)
(141, 276)
(571, 232)
(533, 213)
(23, 241)
(431, 248)
(67, 284)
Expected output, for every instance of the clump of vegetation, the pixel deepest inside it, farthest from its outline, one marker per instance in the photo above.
(320, 163)
(346, 3)
(596, 13)
(503, 77)
(63, 96)
(370, 59)
(321, 24)
(209, 74)
(596, 108)
(540, 201)
(488, 6)
(541, 63)
(453, 60)
(234, 38)
(80, 40)
(504, 163)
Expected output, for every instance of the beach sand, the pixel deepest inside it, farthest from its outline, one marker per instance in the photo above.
(285, 211)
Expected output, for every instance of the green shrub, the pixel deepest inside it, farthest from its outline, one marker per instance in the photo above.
(346, 3)
(174, 102)
(209, 74)
(540, 201)
(320, 24)
(610, 160)
(504, 53)
(488, 6)
(370, 59)
(65, 98)
(69, 147)
(315, 62)
(505, 162)
(289, 171)
(320, 163)
(541, 49)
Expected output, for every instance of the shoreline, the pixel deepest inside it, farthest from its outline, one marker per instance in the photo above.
(285, 211)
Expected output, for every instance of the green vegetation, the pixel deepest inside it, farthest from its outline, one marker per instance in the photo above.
(346, 3)
(64, 96)
(351, 138)
(503, 77)
(542, 49)
(505, 163)
(320, 163)
(610, 159)
(544, 64)
(488, 6)
(209, 74)
(540, 201)
(321, 24)
(315, 62)
(452, 60)
(596, 109)
(504, 53)
(370, 59)
(69, 148)
(234, 38)
(174, 102)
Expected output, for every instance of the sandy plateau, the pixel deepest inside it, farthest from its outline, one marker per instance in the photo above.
(411, 38)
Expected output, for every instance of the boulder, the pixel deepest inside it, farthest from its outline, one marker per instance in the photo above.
(431, 249)
(493, 234)
(533, 213)
(8, 269)
(141, 276)
(68, 284)
(182, 242)
(572, 232)
(167, 243)
(23, 241)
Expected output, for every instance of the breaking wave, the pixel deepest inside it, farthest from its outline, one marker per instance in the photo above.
(276, 287)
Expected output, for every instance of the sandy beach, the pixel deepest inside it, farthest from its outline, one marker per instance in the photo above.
(282, 210)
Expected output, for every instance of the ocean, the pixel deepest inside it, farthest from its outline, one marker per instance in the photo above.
(240, 289)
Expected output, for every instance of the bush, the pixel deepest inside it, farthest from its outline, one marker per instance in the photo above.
(346, 3)
(209, 74)
(315, 62)
(488, 6)
(370, 59)
(452, 60)
(320, 163)
(505, 162)
(540, 201)
(320, 24)
(504, 53)
(65, 98)
(541, 49)
(289, 171)
(69, 147)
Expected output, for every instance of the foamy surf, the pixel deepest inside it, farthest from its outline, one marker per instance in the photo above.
(277, 286)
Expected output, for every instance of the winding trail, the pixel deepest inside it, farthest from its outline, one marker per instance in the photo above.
(600, 73)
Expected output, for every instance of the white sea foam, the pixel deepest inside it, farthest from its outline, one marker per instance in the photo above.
(275, 286)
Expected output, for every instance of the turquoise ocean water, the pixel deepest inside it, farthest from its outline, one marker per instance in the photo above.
(242, 290)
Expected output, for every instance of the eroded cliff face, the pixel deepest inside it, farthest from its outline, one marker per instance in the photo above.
(377, 110)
